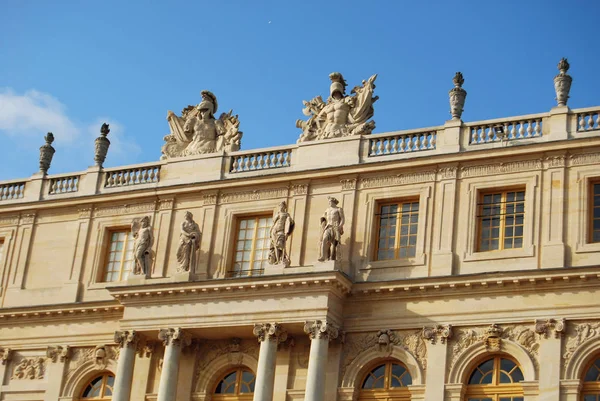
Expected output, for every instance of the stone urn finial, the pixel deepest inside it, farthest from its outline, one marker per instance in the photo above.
(46, 153)
(457, 96)
(102, 144)
(562, 82)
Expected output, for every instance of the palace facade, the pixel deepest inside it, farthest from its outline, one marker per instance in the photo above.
(455, 262)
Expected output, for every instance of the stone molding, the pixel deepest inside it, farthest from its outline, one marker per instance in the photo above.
(174, 336)
(299, 189)
(209, 199)
(583, 159)
(27, 218)
(258, 194)
(555, 161)
(59, 353)
(270, 332)
(348, 184)
(9, 220)
(437, 333)
(125, 209)
(544, 327)
(166, 204)
(448, 173)
(321, 329)
(500, 168)
(127, 339)
(398, 179)
(85, 212)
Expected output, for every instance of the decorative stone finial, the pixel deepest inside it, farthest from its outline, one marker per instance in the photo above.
(457, 96)
(102, 144)
(46, 153)
(562, 82)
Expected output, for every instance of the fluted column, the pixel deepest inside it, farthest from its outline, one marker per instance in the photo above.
(269, 335)
(320, 333)
(174, 340)
(127, 341)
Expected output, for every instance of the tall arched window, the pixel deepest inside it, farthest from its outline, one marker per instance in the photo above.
(100, 388)
(496, 379)
(591, 382)
(386, 381)
(235, 385)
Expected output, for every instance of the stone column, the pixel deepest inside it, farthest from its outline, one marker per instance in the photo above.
(127, 341)
(269, 335)
(55, 370)
(174, 340)
(320, 333)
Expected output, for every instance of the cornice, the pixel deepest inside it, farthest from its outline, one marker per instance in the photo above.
(301, 284)
(64, 312)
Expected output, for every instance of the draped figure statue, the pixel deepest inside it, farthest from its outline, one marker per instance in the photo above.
(189, 243)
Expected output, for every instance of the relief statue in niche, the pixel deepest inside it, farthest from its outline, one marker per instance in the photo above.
(31, 369)
(332, 229)
(282, 227)
(341, 115)
(189, 243)
(142, 244)
(198, 132)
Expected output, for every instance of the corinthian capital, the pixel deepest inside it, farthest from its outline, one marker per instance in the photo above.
(321, 329)
(439, 332)
(175, 336)
(127, 339)
(270, 332)
(544, 327)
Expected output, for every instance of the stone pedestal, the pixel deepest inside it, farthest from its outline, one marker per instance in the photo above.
(320, 333)
(182, 277)
(174, 340)
(127, 342)
(269, 335)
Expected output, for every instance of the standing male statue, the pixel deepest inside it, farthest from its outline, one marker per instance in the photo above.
(142, 244)
(332, 229)
(282, 228)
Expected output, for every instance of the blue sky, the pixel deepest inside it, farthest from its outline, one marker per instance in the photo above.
(67, 66)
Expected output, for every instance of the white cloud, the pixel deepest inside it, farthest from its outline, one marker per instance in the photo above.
(33, 114)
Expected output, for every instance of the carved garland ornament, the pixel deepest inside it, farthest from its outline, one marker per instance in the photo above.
(580, 334)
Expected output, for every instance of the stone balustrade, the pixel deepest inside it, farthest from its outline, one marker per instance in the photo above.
(63, 184)
(381, 145)
(506, 130)
(132, 176)
(455, 136)
(588, 121)
(260, 160)
(12, 190)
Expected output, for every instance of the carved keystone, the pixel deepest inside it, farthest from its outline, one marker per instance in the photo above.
(493, 338)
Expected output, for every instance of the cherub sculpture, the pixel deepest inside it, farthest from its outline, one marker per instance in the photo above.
(282, 228)
(143, 240)
(197, 131)
(342, 115)
(189, 243)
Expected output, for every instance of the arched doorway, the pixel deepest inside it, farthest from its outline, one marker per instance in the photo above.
(99, 388)
(386, 381)
(237, 384)
(591, 382)
(495, 379)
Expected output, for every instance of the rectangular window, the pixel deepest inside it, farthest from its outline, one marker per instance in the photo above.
(501, 216)
(119, 258)
(397, 234)
(595, 212)
(251, 246)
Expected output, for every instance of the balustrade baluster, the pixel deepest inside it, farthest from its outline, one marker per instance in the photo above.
(529, 128)
(388, 146)
(373, 147)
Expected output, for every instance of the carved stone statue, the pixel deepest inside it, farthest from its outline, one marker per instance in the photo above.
(101, 145)
(143, 240)
(332, 229)
(20, 370)
(198, 132)
(342, 115)
(562, 82)
(282, 228)
(457, 96)
(46, 153)
(189, 243)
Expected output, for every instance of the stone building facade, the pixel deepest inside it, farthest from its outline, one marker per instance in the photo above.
(456, 262)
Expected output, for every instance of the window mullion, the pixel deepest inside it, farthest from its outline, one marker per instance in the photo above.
(502, 220)
(123, 253)
(252, 252)
(397, 234)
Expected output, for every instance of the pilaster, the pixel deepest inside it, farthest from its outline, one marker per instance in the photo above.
(298, 202)
(23, 243)
(208, 229)
(141, 370)
(437, 348)
(163, 228)
(552, 234)
(551, 333)
(444, 204)
(348, 202)
(55, 369)
(5, 356)
(81, 246)
(282, 369)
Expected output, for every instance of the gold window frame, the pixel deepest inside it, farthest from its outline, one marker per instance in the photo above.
(503, 204)
(397, 234)
(238, 221)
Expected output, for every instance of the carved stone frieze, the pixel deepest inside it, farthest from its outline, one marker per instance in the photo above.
(398, 179)
(174, 336)
(500, 168)
(544, 327)
(209, 199)
(439, 332)
(384, 340)
(348, 184)
(125, 209)
(29, 368)
(9, 220)
(447, 173)
(254, 195)
(165, 204)
(577, 335)
(270, 332)
(299, 189)
(492, 337)
(583, 159)
(555, 161)
(85, 212)
(59, 353)
(27, 218)
(127, 339)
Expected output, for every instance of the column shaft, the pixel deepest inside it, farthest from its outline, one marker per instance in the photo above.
(265, 375)
(124, 376)
(320, 333)
(174, 340)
